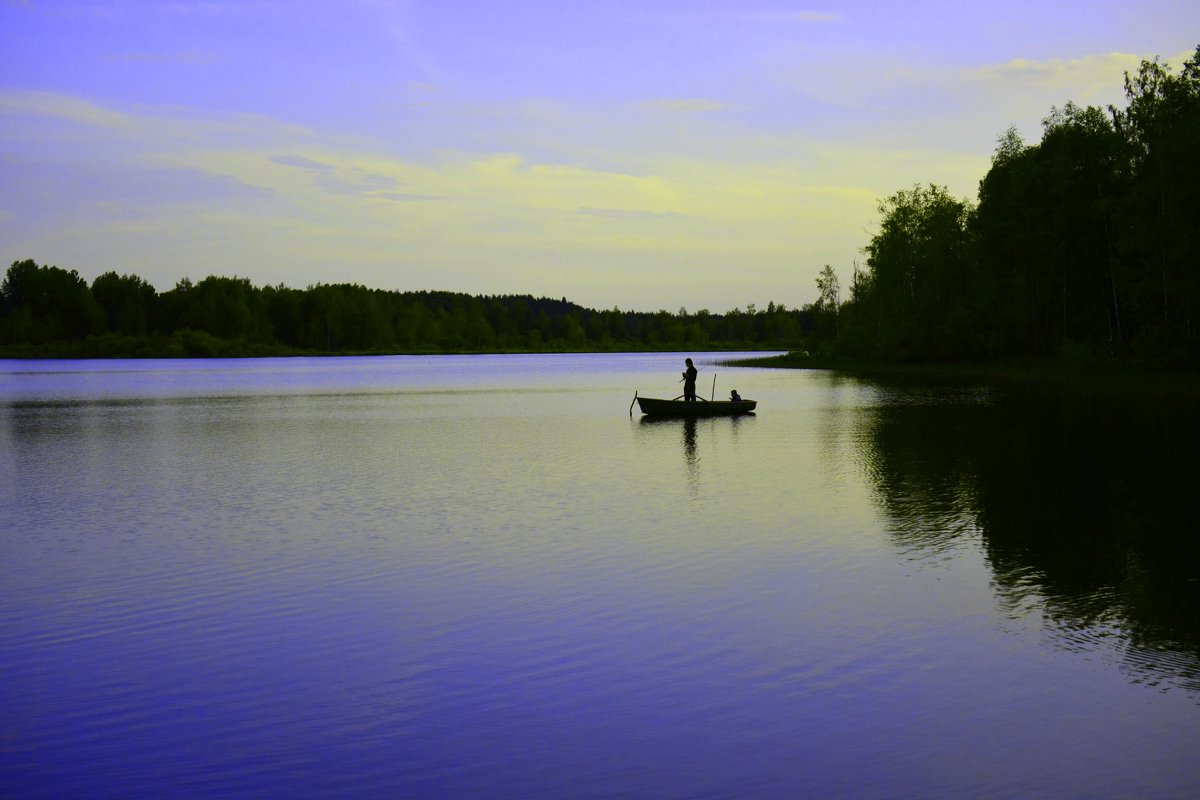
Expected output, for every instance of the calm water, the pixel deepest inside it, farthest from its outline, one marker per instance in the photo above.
(480, 577)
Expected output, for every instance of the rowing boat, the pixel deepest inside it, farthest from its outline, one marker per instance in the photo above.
(695, 408)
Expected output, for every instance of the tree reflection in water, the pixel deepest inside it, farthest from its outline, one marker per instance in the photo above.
(1083, 506)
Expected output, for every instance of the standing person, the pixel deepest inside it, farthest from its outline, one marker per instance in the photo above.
(689, 380)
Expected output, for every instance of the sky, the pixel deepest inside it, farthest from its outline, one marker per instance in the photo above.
(645, 155)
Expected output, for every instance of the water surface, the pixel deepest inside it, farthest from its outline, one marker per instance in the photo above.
(480, 576)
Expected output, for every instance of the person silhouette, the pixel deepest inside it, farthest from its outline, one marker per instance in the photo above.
(689, 380)
(734, 396)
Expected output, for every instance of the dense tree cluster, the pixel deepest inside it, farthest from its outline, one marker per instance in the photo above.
(1085, 245)
(46, 310)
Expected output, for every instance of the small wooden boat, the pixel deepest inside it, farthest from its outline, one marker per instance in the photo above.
(696, 408)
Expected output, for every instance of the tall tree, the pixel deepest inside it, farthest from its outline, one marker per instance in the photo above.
(1162, 125)
(127, 302)
(46, 304)
(916, 297)
(828, 301)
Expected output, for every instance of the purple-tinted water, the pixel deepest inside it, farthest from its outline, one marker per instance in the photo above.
(480, 577)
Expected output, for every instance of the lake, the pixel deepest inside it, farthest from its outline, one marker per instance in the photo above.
(481, 576)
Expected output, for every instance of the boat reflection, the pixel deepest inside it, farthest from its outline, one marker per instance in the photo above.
(692, 429)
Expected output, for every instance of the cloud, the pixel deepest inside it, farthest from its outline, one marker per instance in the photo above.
(1021, 91)
(302, 163)
(622, 202)
(57, 195)
(628, 214)
(1087, 77)
(60, 106)
(32, 122)
(352, 180)
(182, 8)
(693, 105)
(396, 18)
(803, 17)
(192, 57)
(401, 197)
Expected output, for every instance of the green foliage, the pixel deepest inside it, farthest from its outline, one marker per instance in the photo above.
(830, 291)
(1085, 243)
(825, 310)
(46, 304)
(910, 303)
(127, 302)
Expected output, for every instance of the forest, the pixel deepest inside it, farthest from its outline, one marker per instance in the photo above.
(50, 311)
(1082, 248)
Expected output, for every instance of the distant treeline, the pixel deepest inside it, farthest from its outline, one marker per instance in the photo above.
(1085, 246)
(50, 311)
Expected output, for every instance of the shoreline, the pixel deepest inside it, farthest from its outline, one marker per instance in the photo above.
(227, 349)
(1094, 377)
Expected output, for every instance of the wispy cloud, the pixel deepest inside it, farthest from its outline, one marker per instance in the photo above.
(1022, 91)
(396, 17)
(58, 196)
(352, 181)
(803, 17)
(630, 214)
(193, 57)
(61, 106)
(300, 162)
(686, 105)
(1085, 76)
(190, 8)
(455, 218)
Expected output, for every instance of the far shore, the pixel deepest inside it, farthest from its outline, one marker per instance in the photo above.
(103, 348)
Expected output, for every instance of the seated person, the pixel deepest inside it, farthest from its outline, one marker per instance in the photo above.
(734, 396)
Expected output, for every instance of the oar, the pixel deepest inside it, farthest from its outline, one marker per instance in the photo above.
(632, 402)
(714, 391)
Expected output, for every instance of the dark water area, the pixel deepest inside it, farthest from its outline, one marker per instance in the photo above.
(1083, 507)
(483, 577)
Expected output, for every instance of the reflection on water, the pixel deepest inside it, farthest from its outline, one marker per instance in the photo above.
(1084, 507)
(689, 451)
(712, 427)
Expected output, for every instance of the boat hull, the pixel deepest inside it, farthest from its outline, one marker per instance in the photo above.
(699, 408)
